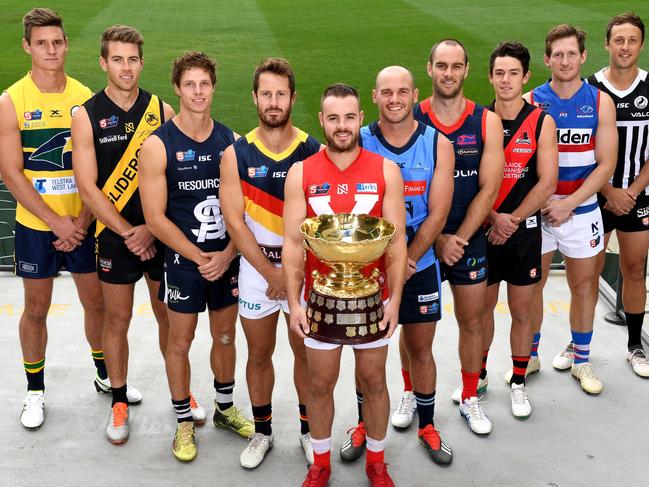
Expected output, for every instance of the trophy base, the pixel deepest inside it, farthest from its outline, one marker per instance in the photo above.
(345, 320)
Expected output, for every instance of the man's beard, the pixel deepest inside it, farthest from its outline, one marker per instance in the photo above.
(334, 147)
(274, 122)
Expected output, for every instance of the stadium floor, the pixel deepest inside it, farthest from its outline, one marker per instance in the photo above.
(570, 440)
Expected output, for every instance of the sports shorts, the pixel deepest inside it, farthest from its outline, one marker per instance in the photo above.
(472, 267)
(421, 300)
(116, 264)
(36, 258)
(580, 237)
(637, 220)
(253, 302)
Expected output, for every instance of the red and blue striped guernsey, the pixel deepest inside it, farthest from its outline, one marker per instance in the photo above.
(576, 120)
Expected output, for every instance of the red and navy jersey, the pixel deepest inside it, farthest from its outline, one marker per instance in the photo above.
(328, 190)
(520, 175)
(467, 136)
(193, 180)
(576, 120)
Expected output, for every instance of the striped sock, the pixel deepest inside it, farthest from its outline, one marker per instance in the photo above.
(375, 451)
(425, 408)
(183, 410)
(469, 384)
(100, 363)
(304, 419)
(359, 404)
(263, 418)
(519, 367)
(534, 353)
(483, 370)
(224, 394)
(35, 375)
(581, 344)
(322, 452)
(407, 383)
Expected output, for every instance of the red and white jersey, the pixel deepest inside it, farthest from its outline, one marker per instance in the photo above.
(328, 190)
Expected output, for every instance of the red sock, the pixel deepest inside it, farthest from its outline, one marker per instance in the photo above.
(407, 384)
(374, 457)
(322, 459)
(469, 384)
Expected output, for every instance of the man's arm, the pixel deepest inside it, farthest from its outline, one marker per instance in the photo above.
(293, 252)
(11, 167)
(440, 196)
(547, 170)
(606, 141)
(396, 258)
(232, 206)
(168, 111)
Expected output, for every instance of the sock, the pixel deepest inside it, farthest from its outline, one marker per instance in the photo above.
(483, 370)
(35, 375)
(304, 419)
(634, 327)
(407, 384)
(183, 411)
(581, 345)
(322, 452)
(359, 404)
(263, 417)
(425, 408)
(469, 384)
(100, 364)
(224, 392)
(534, 353)
(375, 451)
(119, 395)
(519, 367)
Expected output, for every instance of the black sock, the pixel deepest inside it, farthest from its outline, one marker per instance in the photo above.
(634, 327)
(183, 410)
(483, 370)
(263, 418)
(35, 375)
(224, 392)
(359, 404)
(119, 394)
(304, 419)
(100, 363)
(425, 408)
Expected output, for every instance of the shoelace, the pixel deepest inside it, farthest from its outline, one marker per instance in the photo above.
(255, 443)
(407, 404)
(33, 400)
(474, 410)
(184, 434)
(314, 474)
(120, 412)
(519, 395)
(569, 351)
(586, 371)
(381, 474)
(237, 419)
(431, 436)
(638, 356)
(358, 434)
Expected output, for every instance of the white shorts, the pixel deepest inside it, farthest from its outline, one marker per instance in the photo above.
(253, 302)
(580, 237)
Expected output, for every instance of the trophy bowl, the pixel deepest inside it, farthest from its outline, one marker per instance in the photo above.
(345, 306)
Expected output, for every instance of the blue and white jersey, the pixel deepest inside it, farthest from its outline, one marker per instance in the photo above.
(416, 160)
(576, 120)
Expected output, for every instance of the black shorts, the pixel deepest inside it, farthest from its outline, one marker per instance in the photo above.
(184, 290)
(637, 220)
(472, 268)
(116, 264)
(516, 262)
(421, 301)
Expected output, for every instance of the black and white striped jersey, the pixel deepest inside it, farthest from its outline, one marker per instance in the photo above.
(632, 109)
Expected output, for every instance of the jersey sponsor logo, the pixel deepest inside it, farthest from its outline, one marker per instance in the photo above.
(533, 272)
(205, 158)
(151, 118)
(414, 188)
(563, 114)
(250, 306)
(74, 109)
(429, 309)
(467, 152)
(594, 242)
(622, 105)
(585, 111)
(514, 170)
(342, 189)
(257, 172)
(424, 298)
(198, 184)
(642, 212)
(641, 102)
(108, 123)
(56, 113)
(317, 189)
(522, 150)
(530, 222)
(208, 213)
(235, 292)
(174, 295)
(573, 136)
(645, 221)
(53, 186)
(544, 105)
(28, 267)
(185, 156)
(129, 127)
(479, 274)
(35, 115)
(105, 264)
(273, 254)
(472, 261)
(367, 187)
(640, 114)
(279, 174)
(129, 173)
(507, 132)
(112, 138)
(464, 173)
(524, 139)
(52, 150)
(467, 139)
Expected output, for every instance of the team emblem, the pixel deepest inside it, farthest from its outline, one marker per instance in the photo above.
(108, 123)
(641, 102)
(257, 172)
(151, 118)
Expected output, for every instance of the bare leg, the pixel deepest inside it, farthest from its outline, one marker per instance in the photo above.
(119, 300)
(324, 367)
(260, 374)
(89, 291)
(370, 370)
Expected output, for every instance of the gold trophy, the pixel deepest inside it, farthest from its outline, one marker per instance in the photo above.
(345, 306)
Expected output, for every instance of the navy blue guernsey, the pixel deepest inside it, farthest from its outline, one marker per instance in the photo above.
(193, 180)
(467, 137)
(416, 159)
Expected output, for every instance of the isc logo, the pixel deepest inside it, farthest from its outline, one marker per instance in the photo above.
(279, 174)
(205, 158)
(623, 105)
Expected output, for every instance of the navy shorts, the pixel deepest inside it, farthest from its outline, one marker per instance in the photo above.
(637, 220)
(184, 290)
(421, 301)
(36, 258)
(516, 262)
(472, 267)
(116, 264)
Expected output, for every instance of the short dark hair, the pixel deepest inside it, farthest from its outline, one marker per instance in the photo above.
(563, 31)
(448, 42)
(625, 18)
(193, 59)
(40, 17)
(278, 66)
(121, 33)
(511, 49)
(340, 90)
